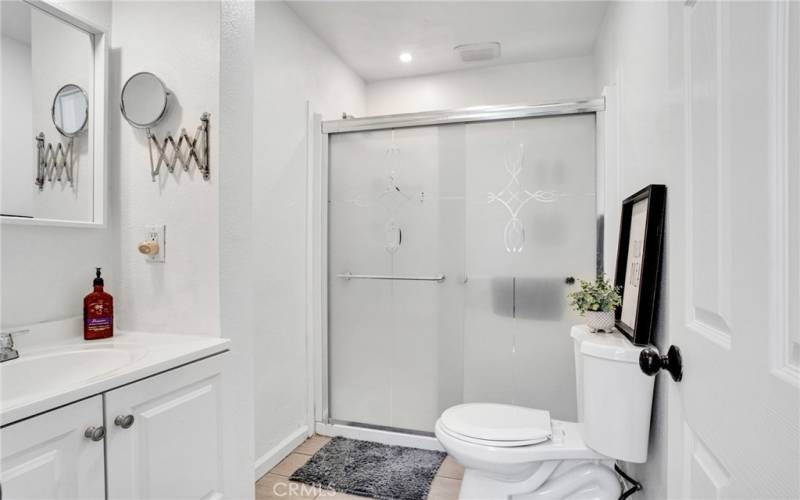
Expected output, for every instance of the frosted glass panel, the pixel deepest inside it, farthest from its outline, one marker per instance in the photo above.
(530, 224)
(506, 211)
(396, 208)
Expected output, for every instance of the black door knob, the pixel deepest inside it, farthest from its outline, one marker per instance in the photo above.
(651, 362)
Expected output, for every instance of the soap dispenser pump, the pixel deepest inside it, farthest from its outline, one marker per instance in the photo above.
(98, 312)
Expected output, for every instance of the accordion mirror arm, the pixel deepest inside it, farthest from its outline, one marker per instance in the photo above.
(186, 150)
(53, 162)
(144, 103)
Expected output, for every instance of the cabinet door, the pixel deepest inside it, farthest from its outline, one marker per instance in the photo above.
(173, 446)
(48, 456)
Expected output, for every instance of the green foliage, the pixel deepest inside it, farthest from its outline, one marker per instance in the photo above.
(597, 295)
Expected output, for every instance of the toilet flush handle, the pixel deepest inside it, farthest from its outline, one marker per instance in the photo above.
(651, 362)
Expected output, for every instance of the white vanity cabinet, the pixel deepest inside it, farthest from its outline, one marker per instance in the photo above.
(172, 445)
(156, 438)
(49, 456)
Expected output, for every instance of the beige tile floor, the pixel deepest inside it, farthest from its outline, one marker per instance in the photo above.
(275, 483)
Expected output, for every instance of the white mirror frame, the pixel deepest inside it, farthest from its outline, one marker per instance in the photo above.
(98, 112)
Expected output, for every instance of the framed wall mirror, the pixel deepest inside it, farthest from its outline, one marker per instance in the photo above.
(52, 168)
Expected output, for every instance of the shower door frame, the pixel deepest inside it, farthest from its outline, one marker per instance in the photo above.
(319, 132)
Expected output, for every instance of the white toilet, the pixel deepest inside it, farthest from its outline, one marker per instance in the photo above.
(514, 452)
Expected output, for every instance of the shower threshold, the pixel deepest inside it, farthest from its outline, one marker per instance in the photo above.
(379, 434)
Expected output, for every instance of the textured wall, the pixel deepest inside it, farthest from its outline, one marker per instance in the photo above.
(631, 63)
(182, 294)
(292, 66)
(237, 320)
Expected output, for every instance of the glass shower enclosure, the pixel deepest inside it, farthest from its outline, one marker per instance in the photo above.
(451, 248)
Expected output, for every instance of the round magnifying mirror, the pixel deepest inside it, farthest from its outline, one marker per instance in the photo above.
(70, 110)
(144, 100)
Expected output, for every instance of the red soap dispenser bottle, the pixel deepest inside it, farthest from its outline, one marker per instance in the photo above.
(98, 312)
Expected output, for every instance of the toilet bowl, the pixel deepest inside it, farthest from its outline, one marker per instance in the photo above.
(515, 452)
(544, 469)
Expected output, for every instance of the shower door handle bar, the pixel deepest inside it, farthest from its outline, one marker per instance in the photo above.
(349, 276)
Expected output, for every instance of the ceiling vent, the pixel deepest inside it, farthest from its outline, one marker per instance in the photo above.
(472, 52)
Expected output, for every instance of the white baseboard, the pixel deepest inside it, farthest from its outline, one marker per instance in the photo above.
(272, 457)
(379, 436)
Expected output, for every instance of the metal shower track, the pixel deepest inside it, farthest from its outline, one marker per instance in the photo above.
(464, 115)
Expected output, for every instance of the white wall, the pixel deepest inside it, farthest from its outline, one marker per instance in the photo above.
(525, 83)
(237, 318)
(46, 271)
(96, 11)
(291, 66)
(631, 66)
(62, 54)
(18, 146)
(207, 64)
(182, 294)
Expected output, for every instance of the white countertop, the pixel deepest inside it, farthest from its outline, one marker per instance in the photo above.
(49, 375)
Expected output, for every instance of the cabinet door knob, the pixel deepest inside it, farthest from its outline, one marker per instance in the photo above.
(124, 421)
(95, 433)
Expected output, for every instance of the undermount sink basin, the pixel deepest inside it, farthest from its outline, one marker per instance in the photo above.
(35, 374)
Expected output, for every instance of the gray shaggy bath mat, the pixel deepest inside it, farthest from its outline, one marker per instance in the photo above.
(372, 469)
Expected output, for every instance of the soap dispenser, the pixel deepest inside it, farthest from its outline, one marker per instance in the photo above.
(98, 312)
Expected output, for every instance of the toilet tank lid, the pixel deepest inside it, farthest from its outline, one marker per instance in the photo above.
(498, 422)
(613, 346)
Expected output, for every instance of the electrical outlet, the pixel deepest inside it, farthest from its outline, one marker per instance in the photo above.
(157, 234)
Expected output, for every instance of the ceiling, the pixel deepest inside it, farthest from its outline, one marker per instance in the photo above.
(370, 35)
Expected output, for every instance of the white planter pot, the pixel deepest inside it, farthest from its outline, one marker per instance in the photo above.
(599, 320)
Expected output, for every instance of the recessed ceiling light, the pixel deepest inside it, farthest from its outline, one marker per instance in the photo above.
(405, 57)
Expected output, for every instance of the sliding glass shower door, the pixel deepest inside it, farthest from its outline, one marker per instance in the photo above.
(449, 252)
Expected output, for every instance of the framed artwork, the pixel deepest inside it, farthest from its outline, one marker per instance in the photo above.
(638, 272)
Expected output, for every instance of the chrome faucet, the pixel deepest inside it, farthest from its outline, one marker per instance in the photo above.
(7, 351)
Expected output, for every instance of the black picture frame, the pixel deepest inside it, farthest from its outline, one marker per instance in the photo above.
(641, 273)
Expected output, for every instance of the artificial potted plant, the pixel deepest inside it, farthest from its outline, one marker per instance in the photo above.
(596, 301)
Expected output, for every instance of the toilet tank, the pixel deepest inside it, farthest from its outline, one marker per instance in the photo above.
(614, 396)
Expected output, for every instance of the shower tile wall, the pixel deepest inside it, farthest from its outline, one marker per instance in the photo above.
(497, 328)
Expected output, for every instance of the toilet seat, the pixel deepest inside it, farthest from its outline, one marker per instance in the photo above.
(487, 442)
(499, 425)
(568, 446)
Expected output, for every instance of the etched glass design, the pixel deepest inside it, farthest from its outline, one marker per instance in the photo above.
(505, 211)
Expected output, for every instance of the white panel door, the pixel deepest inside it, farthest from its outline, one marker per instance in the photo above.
(48, 457)
(733, 253)
(172, 447)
